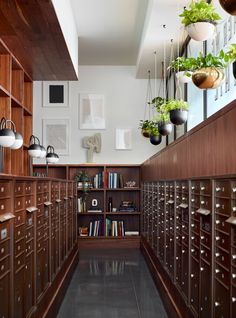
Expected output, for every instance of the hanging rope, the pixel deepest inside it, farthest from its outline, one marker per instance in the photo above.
(148, 98)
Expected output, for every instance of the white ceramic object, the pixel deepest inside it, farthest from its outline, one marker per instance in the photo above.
(182, 78)
(200, 31)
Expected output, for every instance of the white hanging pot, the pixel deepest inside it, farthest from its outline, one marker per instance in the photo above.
(183, 78)
(200, 31)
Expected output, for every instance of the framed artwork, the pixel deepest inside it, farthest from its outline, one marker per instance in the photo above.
(56, 134)
(55, 94)
(123, 139)
(92, 111)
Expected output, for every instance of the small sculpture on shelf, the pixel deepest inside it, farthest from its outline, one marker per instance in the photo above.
(130, 184)
(93, 144)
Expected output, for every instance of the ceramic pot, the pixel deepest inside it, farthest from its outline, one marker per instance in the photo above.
(155, 140)
(178, 116)
(208, 77)
(145, 133)
(183, 78)
(164, 128)
(234, 69)
(229, 6)
(200, 31)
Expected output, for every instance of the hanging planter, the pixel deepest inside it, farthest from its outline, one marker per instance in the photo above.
(144, 126)
(183, 68)
(155, 139)
(163, 120)
(229, 6)
(199, 20)
(234, 69)
(178, 110)
(183, 78)
(230, 57)
(164, 128)
(208, 77)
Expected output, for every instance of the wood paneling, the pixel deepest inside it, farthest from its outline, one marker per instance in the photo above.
(32, 32)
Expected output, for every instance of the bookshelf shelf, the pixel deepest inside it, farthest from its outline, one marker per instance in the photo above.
(122, 213)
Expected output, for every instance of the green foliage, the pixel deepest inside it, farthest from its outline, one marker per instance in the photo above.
(183, 64)
(173, 104)
(153, 128)
(199, 11)
(163, 117)
(82, 176)
(144, 124)
(210, 60)
(230, 56)
(157, 102)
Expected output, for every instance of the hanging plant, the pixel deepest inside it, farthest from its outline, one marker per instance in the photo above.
(157, 102)
(144, 126)
(155, 137)
(200, 19)
(209, 71)
(164, 124)
(230, 57)
(184, 68)
(178, 110)
(229, 6)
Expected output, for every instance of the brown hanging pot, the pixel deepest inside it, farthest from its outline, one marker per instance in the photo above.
(145, 133)
(208, 77)
(229, 6)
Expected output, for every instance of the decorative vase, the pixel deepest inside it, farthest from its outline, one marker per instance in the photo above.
(200, 31)
(155, 140)
(208, 77)
(178, 116)
(145, 133)
(164, 128)
(182, 78)
(229, 6)
(234, 69)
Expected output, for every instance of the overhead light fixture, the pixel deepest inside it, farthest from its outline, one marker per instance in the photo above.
(35, 148)
(51, 156)
(8, 137)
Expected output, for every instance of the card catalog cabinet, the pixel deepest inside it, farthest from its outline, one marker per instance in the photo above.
(191, 227)
(31, 220)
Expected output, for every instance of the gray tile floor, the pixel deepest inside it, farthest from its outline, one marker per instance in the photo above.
(112, 284)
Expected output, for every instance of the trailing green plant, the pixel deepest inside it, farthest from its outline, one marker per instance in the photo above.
(230, 55)
(84, 178)
(181, 64)
(199, 11)
(157, 102)
(153, 128)
(210, 60)
(174, 104)
(144, 124)
(163, 117)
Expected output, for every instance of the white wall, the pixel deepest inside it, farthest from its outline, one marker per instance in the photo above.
(124, 100)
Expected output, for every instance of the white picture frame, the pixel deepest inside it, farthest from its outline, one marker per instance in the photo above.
(55, 94)
(123, 139)
(92, 111)
(56, 133)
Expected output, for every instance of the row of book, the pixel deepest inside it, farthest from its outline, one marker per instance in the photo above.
(115, 180)
(82, 207)
(115, 228)
(95, 228)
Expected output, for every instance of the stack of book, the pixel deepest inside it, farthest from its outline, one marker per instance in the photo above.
(95, 228)
(99, 180)
(127, 206)
(115, 228)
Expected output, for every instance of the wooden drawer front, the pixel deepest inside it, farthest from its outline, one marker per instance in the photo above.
(205, 187)
(221, 303)
(55, 186)
(29, 247)
(40, 199)
(223, 188)
(5, 296)
(195, 187)
(19, 218)
(4, 248)
(40, 221)
(29, 201)
(195, 215)
(19, 295)
(222, 206)
(28, 187)
(46, 212)
(5, 205)
(222, 275)
(19, 247)
(233, 301)
(19, 203)
(233, 256)
(5, 189)
(4, 266)
(195, 202)
(195, 252)
(19, 261)
(40, 233)
(45, 197)
(40, 185)
(19, 232)
(205, 290)
(40, 210)
(4, 231)
(233, 277)
(206, 223)
(195, 226)
(205, 203)
(221, 224)
(194, 283)
(222, 257)
(205, 254)
(40, 246)
(19, 188)
(184, 187)
(195, 239)
(28, 286)
(29, 233)
(29, 220)
(222, 240)
(205, 239)
(46, 186)
(46, 222)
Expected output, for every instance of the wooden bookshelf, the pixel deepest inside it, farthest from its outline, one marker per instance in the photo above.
(131, 220)
(16, 104)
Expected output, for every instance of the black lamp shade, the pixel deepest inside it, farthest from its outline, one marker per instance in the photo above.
(34, 150)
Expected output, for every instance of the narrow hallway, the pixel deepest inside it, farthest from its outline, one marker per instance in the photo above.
(112, 284)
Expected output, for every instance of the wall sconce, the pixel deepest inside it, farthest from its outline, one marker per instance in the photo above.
(35, 149)
(51, 156)
(8, 137)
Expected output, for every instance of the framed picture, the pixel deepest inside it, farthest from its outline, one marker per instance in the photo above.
(55, 94)
(123, 139)
(92, 111)
(56, 134)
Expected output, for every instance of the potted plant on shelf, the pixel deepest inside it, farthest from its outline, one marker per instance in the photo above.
(155, 137)
(84, 182)
(144, 126)
(184, 68)
(230, 57)
(209, 71)
(200, 19)
(178, 110)
(164, 124)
